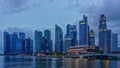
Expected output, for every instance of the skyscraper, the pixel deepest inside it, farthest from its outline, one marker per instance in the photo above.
(7, 43)
(58, 39)
(47, 34)
(70, 38)
(47, 42)
(14, 38)
(102, 32)
(19, 46)
(114, 42)
(92, 38)
(28, 46)
(21, 43)
(38, 41)
(72, 33)
(83, 31)
(67, 43)
(108, 40)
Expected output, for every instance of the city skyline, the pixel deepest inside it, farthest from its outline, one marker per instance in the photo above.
(71, 32)
(60, 33)
(15, 43)
(23, 17)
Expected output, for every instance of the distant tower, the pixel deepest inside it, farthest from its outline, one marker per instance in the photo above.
(67, 42)
(58, 39)
(92, 38)
(38, 41)
(28, 46)
(72, 33)
(47, 42)
(14, 38)
(20, 43)
(7, 43)
(47, 34)
(70, 37)
(114, 42)
(102, 32)
(83, 31)
(108, 41)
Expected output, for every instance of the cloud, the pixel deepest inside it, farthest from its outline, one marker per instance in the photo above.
(15, 5)
(8, 7)
(96, 7)
(18, 6)
(111, 9)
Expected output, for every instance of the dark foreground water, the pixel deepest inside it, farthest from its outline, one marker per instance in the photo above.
(37, 62)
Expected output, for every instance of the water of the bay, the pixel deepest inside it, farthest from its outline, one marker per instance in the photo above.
(38, 62)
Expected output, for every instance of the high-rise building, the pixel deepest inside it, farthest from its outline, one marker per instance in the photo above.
(47, 34)
(7, 43)
(19, 46)
(14, 38)
(46, 46)
(67, 43)
(28, 46)
(92, 38)
(114, 42)
(108, 41)
(58, 39)
(16, 44)
(22, 35)
(102, 32)
(21, 43)
(47, 42)
(51, 46)
(72, 33)
(83, 31)
(70, 38)
(38, 41)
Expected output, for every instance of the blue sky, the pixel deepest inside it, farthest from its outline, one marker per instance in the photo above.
(28, 15)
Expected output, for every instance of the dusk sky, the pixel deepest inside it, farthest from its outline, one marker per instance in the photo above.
(28, 15)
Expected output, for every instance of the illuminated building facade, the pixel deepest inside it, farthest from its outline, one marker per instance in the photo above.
(92, 38)
(70, 37)
(102, 32)
(72, 33)
(83, 49)
(83, 31)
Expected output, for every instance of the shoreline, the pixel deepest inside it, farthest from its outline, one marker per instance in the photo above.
(49, 56)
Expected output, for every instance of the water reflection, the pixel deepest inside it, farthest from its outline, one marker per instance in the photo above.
(17, 62)
(38, 62)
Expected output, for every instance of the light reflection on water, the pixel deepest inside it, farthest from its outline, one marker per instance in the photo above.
(37, 62)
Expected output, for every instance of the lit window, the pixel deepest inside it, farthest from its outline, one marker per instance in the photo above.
(82, 22)
(104, 18)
